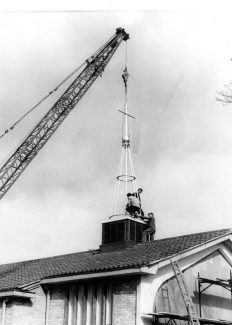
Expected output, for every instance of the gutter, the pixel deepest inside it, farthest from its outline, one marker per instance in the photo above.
(141, 270)
(47, 306)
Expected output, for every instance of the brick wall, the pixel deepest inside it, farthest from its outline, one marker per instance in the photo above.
(58, 311)
(24, 311)
(124, 301)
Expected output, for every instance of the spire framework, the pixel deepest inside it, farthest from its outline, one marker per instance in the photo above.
(125, 180)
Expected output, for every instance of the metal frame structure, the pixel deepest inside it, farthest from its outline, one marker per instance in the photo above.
(172, 317)
(227, 284)
(126, 173)
(29, 148)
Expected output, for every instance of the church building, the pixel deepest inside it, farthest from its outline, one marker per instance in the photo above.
(124, 282)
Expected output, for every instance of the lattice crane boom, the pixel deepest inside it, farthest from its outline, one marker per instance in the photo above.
(29, 148)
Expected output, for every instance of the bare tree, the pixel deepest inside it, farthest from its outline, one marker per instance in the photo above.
(225, 96)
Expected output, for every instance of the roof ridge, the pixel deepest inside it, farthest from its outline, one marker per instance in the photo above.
(229, 230)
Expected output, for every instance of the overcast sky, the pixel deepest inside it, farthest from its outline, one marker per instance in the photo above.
(181, 138)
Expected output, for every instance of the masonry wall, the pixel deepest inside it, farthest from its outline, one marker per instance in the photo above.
(25, 311)
(99, 302)
(124, 301)
(58, 306)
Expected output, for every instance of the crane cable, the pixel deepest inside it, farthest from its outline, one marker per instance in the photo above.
(40, 102)
(54, 89)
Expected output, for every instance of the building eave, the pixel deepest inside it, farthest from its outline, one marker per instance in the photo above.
(79, 277)
(16, 293)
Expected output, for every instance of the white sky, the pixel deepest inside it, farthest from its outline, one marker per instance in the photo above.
(182, 137)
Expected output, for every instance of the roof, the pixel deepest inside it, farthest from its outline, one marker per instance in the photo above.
(15, 275)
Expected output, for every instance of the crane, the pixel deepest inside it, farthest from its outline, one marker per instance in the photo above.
(45, 128)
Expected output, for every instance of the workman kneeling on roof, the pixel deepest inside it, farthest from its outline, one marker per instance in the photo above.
(149, 233)
(133, 206)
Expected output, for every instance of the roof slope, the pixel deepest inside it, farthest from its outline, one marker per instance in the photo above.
(15, 275)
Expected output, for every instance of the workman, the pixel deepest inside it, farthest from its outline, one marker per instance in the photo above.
(133, 206)
(137, 194)
(149, 233)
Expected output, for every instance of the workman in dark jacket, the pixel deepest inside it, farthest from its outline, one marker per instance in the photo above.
(149, 233)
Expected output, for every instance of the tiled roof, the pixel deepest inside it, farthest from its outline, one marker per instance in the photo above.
(15, 275)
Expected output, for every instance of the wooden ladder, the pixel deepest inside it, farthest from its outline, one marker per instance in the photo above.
(193, 318)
